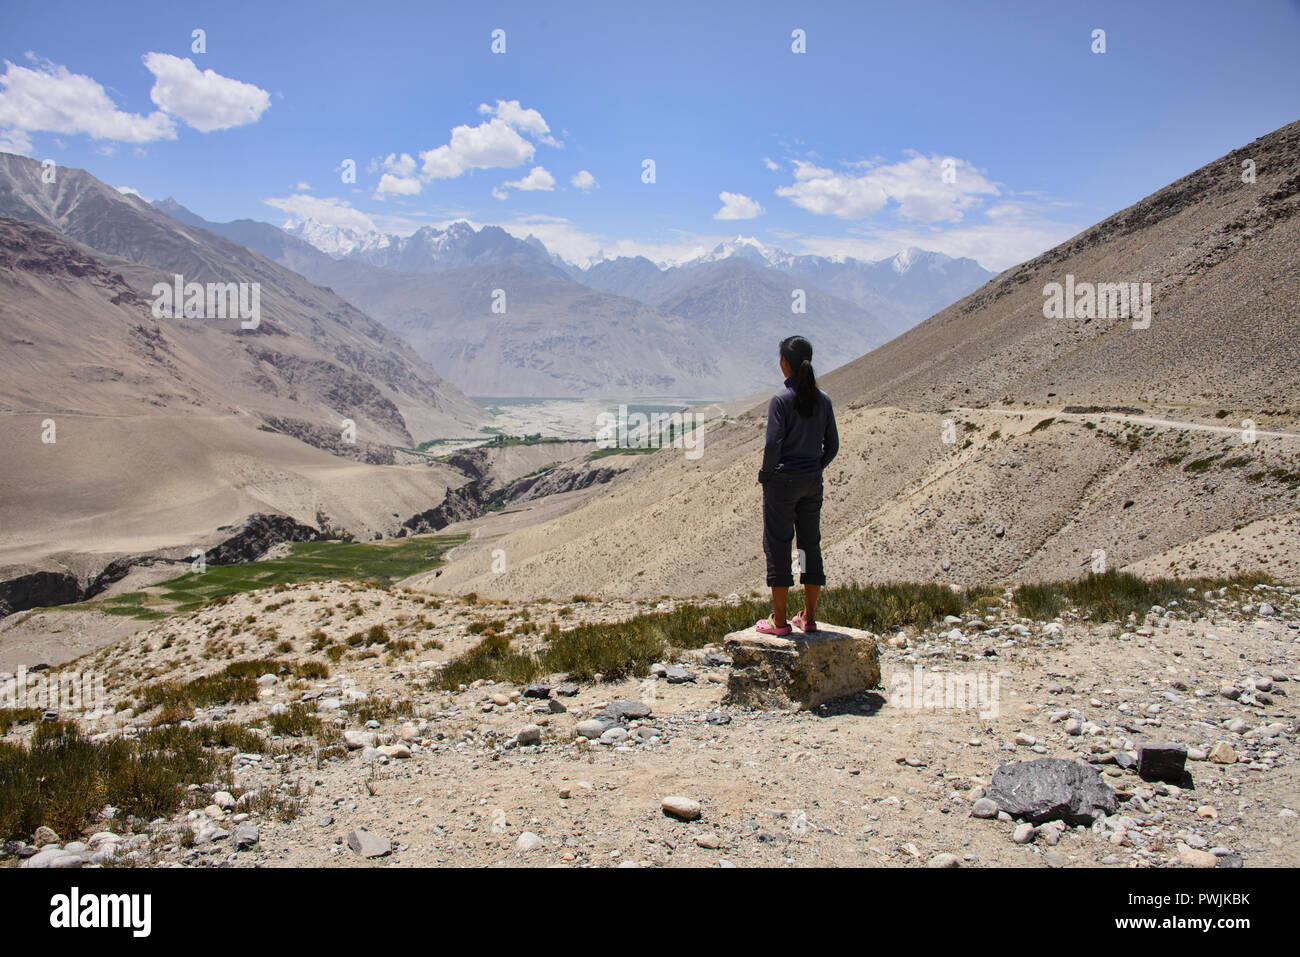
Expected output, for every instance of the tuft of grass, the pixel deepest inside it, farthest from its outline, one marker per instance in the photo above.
(296, 722)
(12, 716)
(614, 650)
(1197, 466)
(1043, 424)
(493, 657)
(382, 709)
(221, 688)
(312, 670)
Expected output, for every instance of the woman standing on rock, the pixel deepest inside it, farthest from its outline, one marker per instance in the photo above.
(801, 441)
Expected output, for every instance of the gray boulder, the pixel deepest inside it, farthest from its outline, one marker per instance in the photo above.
(624, 710)
(1051, 789)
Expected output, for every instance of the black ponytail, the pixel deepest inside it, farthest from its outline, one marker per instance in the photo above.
(797, 352)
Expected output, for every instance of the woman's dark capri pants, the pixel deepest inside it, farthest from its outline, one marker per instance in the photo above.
(792, 510)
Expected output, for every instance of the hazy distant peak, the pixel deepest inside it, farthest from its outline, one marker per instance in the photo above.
(336, 241)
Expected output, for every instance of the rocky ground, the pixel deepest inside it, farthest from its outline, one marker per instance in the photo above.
(657, 772)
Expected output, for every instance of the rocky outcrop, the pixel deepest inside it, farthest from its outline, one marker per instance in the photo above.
(350, 395)
(38, 589)
(468, 501)
(256, 537)
(484, 494)
(559, 480)
(331, 440)
(800, 671)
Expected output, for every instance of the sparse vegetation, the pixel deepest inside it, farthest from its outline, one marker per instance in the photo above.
(62, 778)
(1114, 595)
(493, 657)
(12, 716)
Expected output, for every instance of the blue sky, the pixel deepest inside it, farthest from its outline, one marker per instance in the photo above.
(839, 150)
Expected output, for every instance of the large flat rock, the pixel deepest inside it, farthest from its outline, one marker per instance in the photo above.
(800, 671)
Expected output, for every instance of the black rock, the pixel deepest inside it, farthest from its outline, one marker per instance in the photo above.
(1051, 789)
(1229, 860)
(1162, 762)
(717, 717)
(676, 675)
(712, 659)
(537, 691)
(567, 691)
(1124, 760)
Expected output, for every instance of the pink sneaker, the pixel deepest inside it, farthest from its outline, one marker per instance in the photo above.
(767, 626)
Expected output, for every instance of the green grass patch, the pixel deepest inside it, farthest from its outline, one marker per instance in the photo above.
(1114, 595)
(380, 563)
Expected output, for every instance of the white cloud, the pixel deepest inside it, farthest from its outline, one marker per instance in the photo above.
(737, 206)
(128, 191)
(51, 99)
(494, 144)
(772, 167)
(826, 193)
(584, 180)
(524, 120)
(916, 184)
(397, 185)
(327, 210)
(15, 141)
(303, 186)
(205, 100)
(399, 175)
(537, 179)
(500, 142)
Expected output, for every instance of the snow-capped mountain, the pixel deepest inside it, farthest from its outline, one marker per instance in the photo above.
(747, 248)
(899, 290)
(430, 248)
(336, 241)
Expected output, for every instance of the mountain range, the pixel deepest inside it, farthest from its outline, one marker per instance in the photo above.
(898, 290)
(621, 327)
